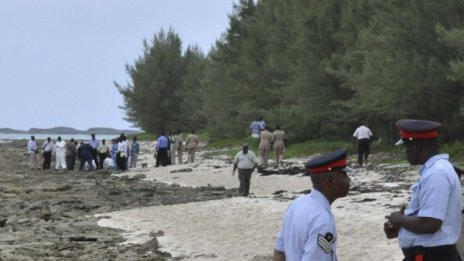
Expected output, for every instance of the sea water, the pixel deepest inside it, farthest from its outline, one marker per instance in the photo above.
(5, 137)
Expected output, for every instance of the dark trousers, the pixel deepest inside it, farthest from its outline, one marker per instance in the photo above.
(363, 150)
(102, 157)
(120, 161)
(47, 160)
(83, 161)
(94, 155)
(162, 157)
(70, 162)
(244, 176)
(439, 253)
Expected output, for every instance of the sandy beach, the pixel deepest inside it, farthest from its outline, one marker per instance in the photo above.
(242, 228)
(183, 212)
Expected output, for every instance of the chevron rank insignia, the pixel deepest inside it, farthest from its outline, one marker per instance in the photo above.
(325, 242)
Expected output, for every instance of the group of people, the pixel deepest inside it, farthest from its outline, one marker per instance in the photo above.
(269, 141)
(91, 154)
(427, 229)
(171, 146)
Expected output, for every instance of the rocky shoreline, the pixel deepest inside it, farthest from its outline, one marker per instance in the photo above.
(51, 215)
(55, 215)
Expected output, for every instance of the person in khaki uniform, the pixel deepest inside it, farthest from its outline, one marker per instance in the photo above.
(179, 145)
(192, 144)
(266, 139)
(280, 143)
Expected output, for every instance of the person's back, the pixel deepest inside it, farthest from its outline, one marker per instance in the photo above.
(255, 129)
(85, 151)
(266, 139)
(279, 139)
(362, 132)
(192, 141)
(362, 135)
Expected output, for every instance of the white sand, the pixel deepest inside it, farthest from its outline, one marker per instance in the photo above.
(243, 228)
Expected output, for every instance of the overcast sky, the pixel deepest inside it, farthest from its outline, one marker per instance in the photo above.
(59, 58)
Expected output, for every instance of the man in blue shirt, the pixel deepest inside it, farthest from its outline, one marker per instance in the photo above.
(430, 226)
(162, 148)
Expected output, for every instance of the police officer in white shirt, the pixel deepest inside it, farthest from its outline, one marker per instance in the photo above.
(308, 231)
(430, 226)
(363, 136)
(246, 161)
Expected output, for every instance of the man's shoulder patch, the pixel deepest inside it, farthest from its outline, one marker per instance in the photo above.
(325, 242)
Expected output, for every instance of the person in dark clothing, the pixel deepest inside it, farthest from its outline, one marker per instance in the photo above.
(47, 149)
(363, 136)
(85, 155)
(71, 153)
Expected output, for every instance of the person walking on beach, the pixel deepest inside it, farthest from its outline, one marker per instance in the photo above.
(430, 226)
(134, 152)
(255, 129)
(47, 149)
(103, 153)
(94, 143)
(162, 150)
(60, 153)
(179, 145)
(362, 135)
(280, 144)
(192, 144)
(265, 144)
(246, 163)
(32, 151)
(308, 231)
(71, 153)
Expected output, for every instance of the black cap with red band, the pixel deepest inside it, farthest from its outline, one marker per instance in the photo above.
(416, 130)
(332, 161)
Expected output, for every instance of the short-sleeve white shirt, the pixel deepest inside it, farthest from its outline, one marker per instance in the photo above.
(437, 194)
(362, 132)
(308, 231)
(245, 161)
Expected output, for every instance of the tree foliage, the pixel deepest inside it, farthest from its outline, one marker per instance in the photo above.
(317, 68)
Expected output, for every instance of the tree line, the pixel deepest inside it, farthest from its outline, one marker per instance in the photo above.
(316, 68)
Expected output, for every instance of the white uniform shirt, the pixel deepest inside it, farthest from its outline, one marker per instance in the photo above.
(122, 147)
(437, 194)
(308, 231)
(245, 161)
(31, 146)
(59, 146)
(47, 146)
(362, 132)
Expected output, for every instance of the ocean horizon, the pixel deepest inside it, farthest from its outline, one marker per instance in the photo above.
(43, 136)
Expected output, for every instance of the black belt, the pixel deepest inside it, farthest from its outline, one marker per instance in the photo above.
(439, 253)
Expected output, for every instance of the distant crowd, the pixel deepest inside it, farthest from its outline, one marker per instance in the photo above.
(268, 141)
(121, 155)
(93, 154)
